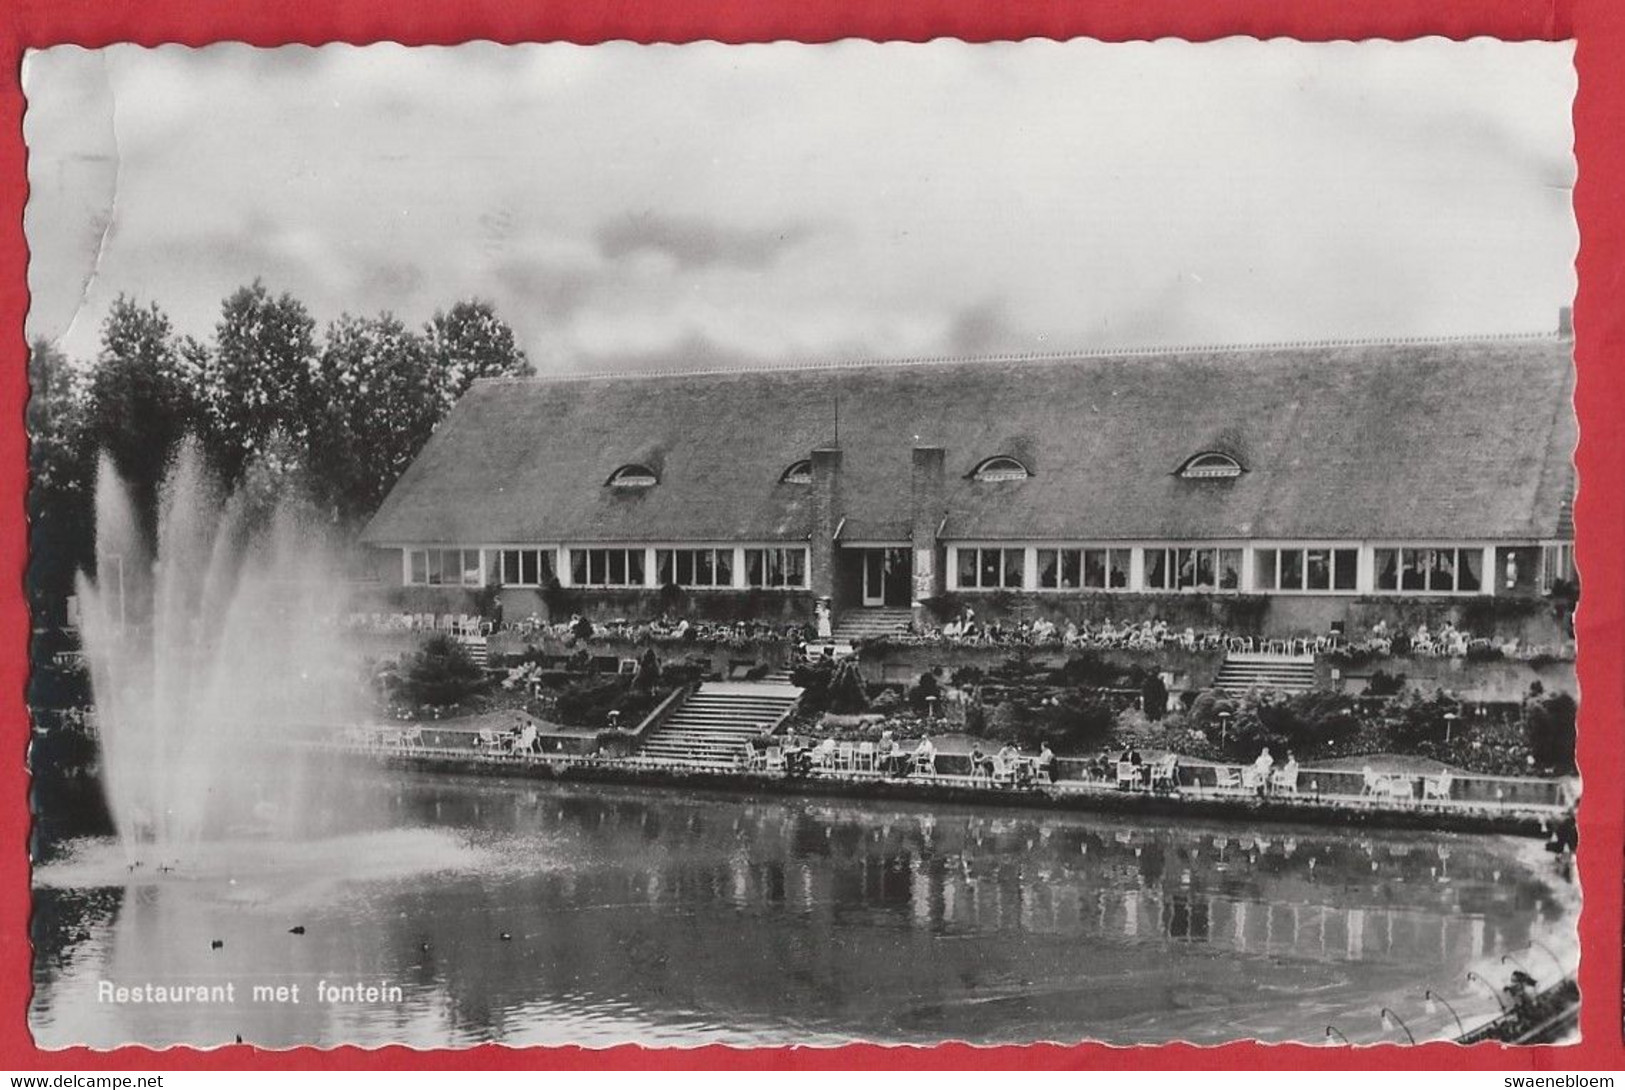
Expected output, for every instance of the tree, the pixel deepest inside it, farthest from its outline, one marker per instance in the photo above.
(379, 404)
(1549, 729)
(139, 404)
(470, 342)
(61, 478)
(259, 378)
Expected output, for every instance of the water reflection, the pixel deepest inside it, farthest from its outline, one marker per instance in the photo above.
(542, 914)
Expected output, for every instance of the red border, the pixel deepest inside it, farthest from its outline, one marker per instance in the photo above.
(1597, 25)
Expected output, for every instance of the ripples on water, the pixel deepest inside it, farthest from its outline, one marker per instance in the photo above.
(668, 918)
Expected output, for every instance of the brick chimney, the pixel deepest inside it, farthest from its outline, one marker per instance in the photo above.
(928, 504)
(826, 504)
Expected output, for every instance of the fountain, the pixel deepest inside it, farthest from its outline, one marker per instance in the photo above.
(213, 649)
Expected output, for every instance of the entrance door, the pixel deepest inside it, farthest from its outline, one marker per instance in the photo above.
(874, 577)
(887, 579)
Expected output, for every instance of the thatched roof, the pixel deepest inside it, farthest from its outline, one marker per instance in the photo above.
(1449, 440)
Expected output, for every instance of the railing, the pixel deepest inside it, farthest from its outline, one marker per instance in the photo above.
(1189, 786)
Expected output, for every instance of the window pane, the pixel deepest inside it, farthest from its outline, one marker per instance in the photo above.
(795, 567)
(1469, 573)
(1291, 569)
(1411, 575)
(634, 567)
(1229, 569)
(1345, 569)
(1264, 569)
(725, 567)
(1443, 573)
(753, 567)
(1205, 577)
(967, 567)
(1318, 570)
(420, 567)
(1156, 568)
(436, 567)
(989, 568)
(1071, 569)
(1386, 562)
(597, 567)
(578, 566)
(471, 567)
(1049, 574)
(1117, 571)
(1014, 562)
(1094, 567)
(665, 567)
(685, 568)
(1185, 568)
(544, 569)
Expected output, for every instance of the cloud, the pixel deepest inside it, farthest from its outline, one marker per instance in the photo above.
(692, 242)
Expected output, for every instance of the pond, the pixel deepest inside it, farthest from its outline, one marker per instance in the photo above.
(448, 911)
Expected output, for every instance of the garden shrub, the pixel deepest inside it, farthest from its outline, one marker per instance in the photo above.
(441, 672)
(1154, 697)
(1382, 683)
(1549, 728)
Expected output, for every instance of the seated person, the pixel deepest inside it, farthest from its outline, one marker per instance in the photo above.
(1045, 764)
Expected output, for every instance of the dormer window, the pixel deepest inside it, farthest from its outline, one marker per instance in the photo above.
(1001, 467)
(798, 473)
(633, 476)
(1210, 465)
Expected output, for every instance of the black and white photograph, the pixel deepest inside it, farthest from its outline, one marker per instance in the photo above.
(781, 544)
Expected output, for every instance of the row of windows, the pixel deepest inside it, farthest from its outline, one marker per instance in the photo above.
(1440, 570)
(444, 567)
(1427, 569)
(620, 567)
(1074, 569)
(1306, 569)
(1332, 570)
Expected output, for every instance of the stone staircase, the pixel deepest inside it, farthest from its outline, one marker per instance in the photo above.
(476, 648)
(863, 624)
(710, 728)
(1285, 673)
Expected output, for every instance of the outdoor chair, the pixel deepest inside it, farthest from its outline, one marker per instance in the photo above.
(487, 739)
(924, 766)
(1165, 774)
(846, 757)
(1285, 780)
(1227, 777)
(865, 760)
(1004, 770)
(1436, 788)
(774, 761)
(412, 738)
(824, 756)
(1127, 775)
(1252, 778)
(526, 740)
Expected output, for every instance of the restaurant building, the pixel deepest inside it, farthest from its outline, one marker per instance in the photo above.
(1277, 489)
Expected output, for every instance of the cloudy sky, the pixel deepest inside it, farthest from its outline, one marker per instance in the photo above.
(628, 206)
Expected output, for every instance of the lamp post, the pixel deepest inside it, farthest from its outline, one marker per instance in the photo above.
(1433, 999)
(1494, 992)
(1390, 1020)
(1449, 721)
(1333, 1031)
(1224, 727)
